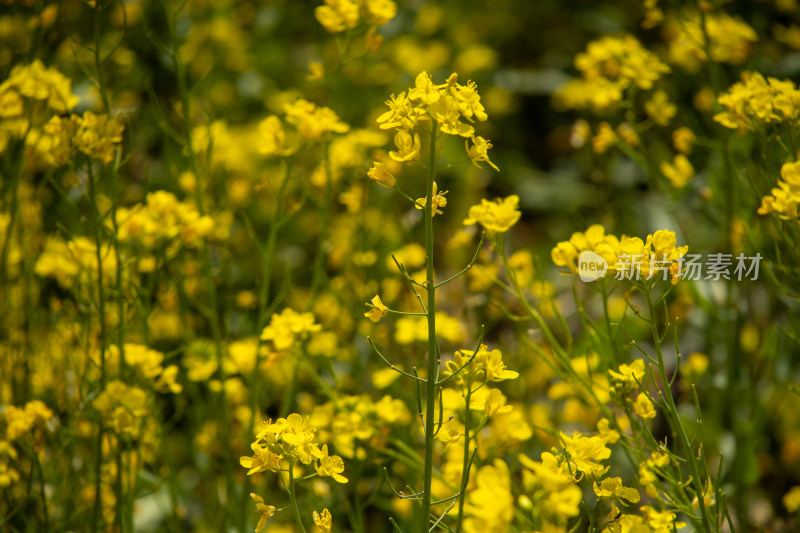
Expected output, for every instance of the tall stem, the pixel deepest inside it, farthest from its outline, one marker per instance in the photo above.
(697, 480)
(293, 499)
(430, 407)
(467, 462)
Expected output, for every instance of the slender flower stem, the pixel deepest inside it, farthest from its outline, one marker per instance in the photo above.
(293, 500)
(467, 462)
(432, 343)
(694, 468)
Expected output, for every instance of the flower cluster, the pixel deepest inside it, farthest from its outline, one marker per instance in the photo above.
(291, 439)
(340, 15)
(609, 66)
(730, 39)
(755, 100)
(444, 104)
(163, 221)
(658, 253)
(482, 367)
(785, 198)
(289, 326)
(495, 217)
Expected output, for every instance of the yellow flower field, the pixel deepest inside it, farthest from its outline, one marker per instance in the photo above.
(399, 266)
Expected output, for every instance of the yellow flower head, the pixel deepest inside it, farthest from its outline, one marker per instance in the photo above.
(497, 216)
(380, 174)
(377, 311)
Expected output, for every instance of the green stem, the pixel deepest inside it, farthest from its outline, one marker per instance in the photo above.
(293, 500)
(432, 343)
(694, 468)
(467, 463)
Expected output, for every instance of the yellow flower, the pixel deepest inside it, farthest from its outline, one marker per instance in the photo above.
(679, 172)
(785, 198)
(495, 217)
(490, 504)
(682, 140)
(377, 311)
(424, 89)
(611, 488)
(381, 175)
(660, 109)
(630, 374)
(644, 407)
(479, 151)
(323, 522)
(605, 138)
(437, 200)
(791, 500)
(584, 453)
(337, 15)
(285, 328)
(266, 511)
(408, 147)
(272, 137)
(330, 466)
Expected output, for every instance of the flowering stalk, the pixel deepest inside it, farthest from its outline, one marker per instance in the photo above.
(698, 481)
(433, 355)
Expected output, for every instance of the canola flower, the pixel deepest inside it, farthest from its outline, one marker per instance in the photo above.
(629, 257)
(785, 198)
(610, 66)
(447, 104)
(756, 100)
(495, 217)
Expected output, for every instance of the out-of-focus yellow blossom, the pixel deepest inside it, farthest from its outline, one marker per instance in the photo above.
(409, 329)
(377, 311)
(272, 137)
(550, 485)
(580, 133)
(755, 100)
(609, 66)
(314, 122)
(730, 39)
(791, 500)
(643, 407)
(316, 71)
(21, 421)
(661, 521)
(265, 511)
(338, 15)
(611, 488)
(381, 175)
(123, 407)
(660, 109)
(97, 136)
(628, 134)
(490, 505)
(679, 171)
(497, 216)
(38, 83)
(323, 522)
(696, 365)
(286, 328)
(683, 139)
(438, 201)
(605, 138)
(161, 219)
(785, 198)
